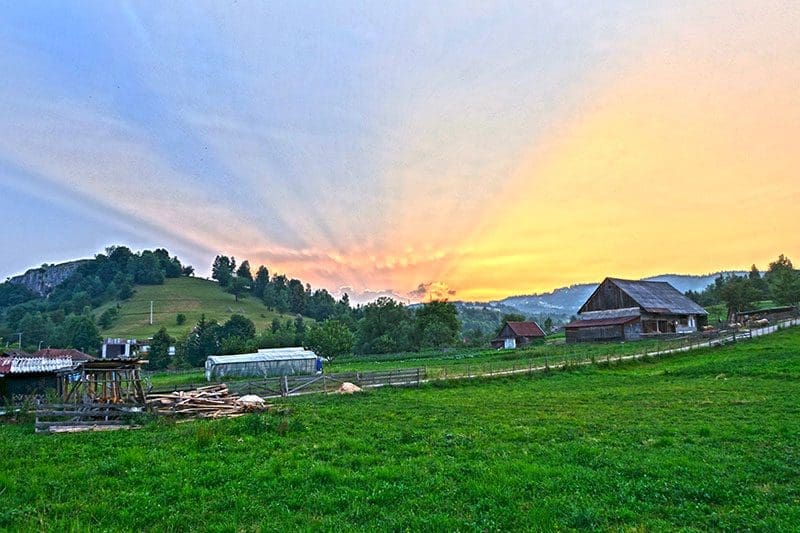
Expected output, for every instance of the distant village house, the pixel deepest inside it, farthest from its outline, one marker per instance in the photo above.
(517, 334)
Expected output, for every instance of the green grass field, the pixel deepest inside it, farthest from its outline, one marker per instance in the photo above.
(459, 361)
(190, 296)
(708, 440)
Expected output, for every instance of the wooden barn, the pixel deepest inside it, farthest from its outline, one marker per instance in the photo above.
(517, 334)
(622, 309)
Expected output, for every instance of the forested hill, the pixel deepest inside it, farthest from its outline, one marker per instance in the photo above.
(53, 305)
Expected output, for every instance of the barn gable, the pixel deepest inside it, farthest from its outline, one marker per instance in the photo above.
(650, 296)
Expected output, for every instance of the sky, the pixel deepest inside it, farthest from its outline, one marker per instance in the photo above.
(456, 150)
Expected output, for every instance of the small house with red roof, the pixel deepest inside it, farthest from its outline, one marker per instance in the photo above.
(518, 334)
(77, 356)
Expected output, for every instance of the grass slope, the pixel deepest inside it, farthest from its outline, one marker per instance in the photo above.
(704, 441)
(190, 296)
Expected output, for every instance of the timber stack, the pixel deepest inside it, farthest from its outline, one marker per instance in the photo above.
(214, 401)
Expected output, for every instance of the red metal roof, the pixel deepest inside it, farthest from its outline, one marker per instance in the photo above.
(76, 355)
(526, 329)
(592, 322)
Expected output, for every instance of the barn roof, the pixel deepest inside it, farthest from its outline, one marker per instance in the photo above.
(526, 329)
(657, 297)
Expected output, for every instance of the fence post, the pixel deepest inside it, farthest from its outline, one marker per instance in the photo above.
(285, 386)
(418, 380)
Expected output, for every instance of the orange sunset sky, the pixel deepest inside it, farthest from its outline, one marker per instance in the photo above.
(467, 152)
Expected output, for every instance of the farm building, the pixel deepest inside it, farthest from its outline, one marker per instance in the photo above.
(517, 334)
(77, 356)
(630, 310)
(272, 362)
(22, 374)
(121, 348)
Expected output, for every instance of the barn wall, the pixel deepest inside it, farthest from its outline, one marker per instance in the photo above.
(595, 334)
(608, 296)
(633, 331)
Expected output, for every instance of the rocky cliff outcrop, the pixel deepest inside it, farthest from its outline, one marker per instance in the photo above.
(44, 279)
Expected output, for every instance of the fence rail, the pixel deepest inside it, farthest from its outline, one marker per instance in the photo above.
(275, 386)
(53, 417)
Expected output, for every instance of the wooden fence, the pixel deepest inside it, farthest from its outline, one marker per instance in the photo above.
(276, 386)
(77, 416)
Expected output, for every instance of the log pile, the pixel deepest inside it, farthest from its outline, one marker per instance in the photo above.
(214, 401)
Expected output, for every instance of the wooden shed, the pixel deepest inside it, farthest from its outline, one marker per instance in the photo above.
(630, 310)
(23, 375)
(518, 334)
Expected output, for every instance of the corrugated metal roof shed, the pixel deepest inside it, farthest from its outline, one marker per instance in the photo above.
(658, 297)
(32, 365)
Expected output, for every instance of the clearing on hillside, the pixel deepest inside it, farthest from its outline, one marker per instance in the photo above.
(190, 296)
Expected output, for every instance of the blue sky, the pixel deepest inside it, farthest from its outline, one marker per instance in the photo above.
(361, 145)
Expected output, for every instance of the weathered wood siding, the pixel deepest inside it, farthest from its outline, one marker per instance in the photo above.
(608, 296)
(596, 333)
(616, 332)
(506, 333)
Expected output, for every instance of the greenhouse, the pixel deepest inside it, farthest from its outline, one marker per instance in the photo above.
(264, 363)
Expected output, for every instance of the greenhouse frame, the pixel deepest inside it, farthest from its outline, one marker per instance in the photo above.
(264, 363)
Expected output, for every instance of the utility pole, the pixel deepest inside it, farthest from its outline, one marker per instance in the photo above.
(151, 312)
(20, 339)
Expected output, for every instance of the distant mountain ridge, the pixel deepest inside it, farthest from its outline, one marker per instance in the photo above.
(565, 301)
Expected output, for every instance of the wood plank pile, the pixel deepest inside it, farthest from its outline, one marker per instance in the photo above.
(214, 401)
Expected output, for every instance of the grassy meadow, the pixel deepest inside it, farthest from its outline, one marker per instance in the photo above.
(459, 361)
(708, 440)
(190, 296)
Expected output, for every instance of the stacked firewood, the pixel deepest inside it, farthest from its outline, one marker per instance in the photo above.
(214, 401)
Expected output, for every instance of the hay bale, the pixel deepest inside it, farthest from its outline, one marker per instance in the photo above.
(251, 400)
(348, 388)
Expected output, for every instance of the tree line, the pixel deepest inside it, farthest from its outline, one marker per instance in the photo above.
(780, 284)
(65, 318)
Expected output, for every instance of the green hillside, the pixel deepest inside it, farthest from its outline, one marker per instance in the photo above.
(190, 296)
